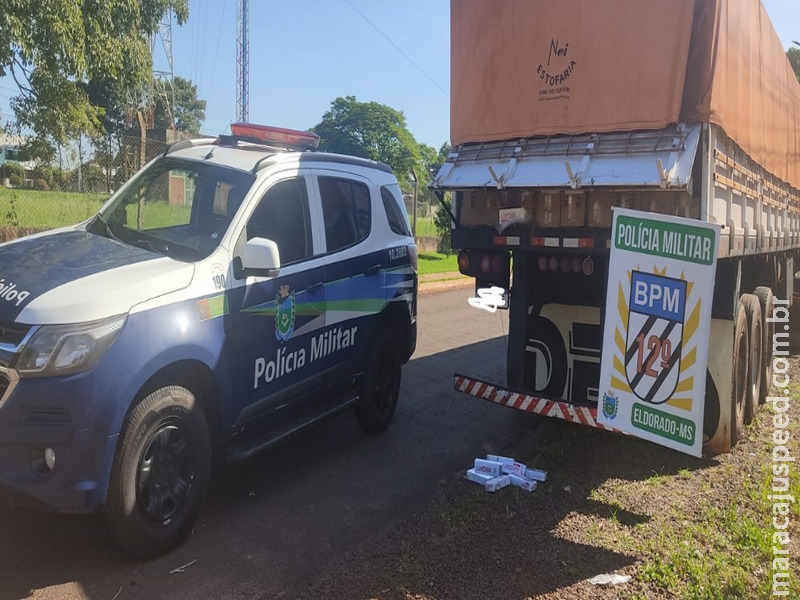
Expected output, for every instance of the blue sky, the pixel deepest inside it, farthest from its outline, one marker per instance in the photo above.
(305, 53)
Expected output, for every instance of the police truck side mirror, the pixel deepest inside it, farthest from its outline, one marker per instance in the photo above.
(260, 258)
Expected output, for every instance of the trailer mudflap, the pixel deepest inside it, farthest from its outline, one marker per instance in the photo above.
(583, 415)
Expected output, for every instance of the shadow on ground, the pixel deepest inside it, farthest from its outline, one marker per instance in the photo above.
(511, 544)
(286, 520)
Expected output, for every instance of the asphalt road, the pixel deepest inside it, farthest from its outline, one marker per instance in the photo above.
(275, 524)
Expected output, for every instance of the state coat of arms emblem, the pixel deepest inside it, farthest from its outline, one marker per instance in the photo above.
(284, 314)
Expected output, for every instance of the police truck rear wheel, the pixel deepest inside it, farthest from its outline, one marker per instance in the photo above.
(160, 473)
(379, 388)
(741, 362)
(752, 308)
(767, 300)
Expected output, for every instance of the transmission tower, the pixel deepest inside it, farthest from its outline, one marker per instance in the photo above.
(242, 62)
(163, 81)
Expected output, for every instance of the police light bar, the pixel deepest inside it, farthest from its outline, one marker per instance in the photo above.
(278, 136)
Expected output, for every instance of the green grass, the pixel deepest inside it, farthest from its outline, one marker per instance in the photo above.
(158, 214)
(425, 227)
(31, 208)
(711, 558)
(434, 262)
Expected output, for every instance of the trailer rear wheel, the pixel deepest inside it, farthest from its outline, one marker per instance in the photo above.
(767, 300)
(755, 326)
(741, 362)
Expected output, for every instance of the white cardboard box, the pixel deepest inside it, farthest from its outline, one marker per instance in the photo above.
(498, 483)
(473, 475)
(509, 465)
(488, 467)
(520, 482)
(535, 475)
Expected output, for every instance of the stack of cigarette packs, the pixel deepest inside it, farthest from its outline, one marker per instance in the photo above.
(496, 472)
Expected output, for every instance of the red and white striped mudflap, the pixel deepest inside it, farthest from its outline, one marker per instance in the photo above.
(582, 415)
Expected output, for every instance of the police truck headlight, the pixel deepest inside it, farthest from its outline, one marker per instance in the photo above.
(66, 349)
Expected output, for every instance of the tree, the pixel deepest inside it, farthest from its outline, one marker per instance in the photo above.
(190, 111)
(15, 173)
(52, 49)
(442, 219)
(370, 130)
(794, 59)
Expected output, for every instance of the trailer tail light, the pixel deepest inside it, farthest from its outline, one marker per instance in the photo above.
(463, 263)
(543, 263)
(497, 265)
(278, 136)
(566, 264)
(486, 264)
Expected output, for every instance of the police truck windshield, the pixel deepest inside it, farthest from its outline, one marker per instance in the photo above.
(176, 207)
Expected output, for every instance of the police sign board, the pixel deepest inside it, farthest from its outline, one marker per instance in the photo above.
(657, 326)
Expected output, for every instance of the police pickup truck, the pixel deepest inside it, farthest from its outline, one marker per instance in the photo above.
(233, 292)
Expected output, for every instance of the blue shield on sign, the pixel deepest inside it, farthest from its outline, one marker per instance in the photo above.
(657, 310)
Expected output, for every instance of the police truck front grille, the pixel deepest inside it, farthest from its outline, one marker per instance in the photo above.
(48, 416)
(12, 334)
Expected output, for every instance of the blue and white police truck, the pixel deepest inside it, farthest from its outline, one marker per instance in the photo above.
(235, 291)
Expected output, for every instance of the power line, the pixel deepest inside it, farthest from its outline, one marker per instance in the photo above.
(400, 50)
(216, 54)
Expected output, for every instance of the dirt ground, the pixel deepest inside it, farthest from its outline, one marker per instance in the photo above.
(680, 527)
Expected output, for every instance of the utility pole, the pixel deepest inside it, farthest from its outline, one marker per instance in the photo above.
(242, 62)
(165, 80)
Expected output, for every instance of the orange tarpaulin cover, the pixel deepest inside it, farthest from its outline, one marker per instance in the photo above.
(738, 77)
(523, 68)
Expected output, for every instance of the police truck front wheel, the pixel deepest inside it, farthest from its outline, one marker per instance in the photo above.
(739, 383)
(379, 388)
(160, 473)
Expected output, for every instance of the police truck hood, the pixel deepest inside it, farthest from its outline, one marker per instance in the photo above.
(73, 276)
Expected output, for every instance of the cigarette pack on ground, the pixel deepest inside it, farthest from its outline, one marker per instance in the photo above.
(521, 482)
(488, 467)
(509, 465)
(477, 477)
(498, 483)
(535, 474)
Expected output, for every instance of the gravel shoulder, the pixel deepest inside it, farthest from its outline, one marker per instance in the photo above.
(680, 527)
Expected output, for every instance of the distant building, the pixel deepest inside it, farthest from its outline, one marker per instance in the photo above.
(10, 150)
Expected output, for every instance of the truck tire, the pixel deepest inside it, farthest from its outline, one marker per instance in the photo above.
(755, 335)
(379, 388)
(767, 300)
(740, 368)
(160, 473)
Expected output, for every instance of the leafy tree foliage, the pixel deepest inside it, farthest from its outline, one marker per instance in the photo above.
(14, 171)
(52, 48)
(794, 60)
(379, 132)
(190, 111)
(442, 219)
(108, 95)
(370, 130)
